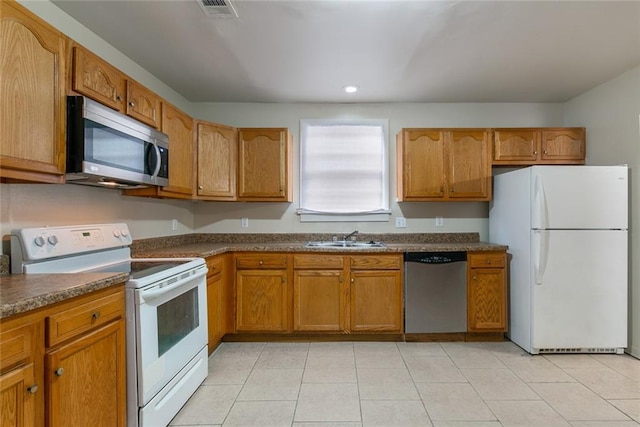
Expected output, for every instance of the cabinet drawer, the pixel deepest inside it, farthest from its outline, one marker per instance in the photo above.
(318, 261)
(488, 260)
(16, 345)
(376, 262)
(84, 317)
(215, 265)
(273, 261)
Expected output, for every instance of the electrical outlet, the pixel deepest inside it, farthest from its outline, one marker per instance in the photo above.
(401, 222)
(244, 222)
(174, 224)
(439, 221)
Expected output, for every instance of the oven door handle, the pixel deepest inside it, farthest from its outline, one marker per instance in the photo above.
(154, 293)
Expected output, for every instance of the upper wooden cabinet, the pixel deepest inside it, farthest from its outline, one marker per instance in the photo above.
(444, 164)
(32, 97)
(264, 165)
(179, 128)
(217, 159)
(104, 83)
(538, 146)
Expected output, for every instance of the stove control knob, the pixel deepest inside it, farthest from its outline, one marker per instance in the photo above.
(124, 232)
(53, 240)
(39, 241)
(116, 233)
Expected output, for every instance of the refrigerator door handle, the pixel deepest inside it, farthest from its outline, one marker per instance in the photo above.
(540, 252)
(539, 205)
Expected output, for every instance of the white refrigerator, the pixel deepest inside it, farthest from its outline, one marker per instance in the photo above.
(566, 228)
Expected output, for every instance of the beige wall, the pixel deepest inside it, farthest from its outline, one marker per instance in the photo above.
(611, 113)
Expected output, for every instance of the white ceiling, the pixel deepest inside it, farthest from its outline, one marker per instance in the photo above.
(395, 50)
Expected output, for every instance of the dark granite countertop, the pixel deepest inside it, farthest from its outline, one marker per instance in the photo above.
(20, 293)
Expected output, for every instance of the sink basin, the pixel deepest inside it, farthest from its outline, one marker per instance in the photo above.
(344, 244)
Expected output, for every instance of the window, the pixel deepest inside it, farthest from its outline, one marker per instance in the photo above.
(344, 169)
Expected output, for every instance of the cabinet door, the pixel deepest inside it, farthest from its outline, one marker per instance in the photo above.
(98, 80)
(218, 304)
(516, 146)
(421, 165)
(18, 391)
(376, 301)
(217, 154)
(179, 127)
(262, 300)
(32, 97)
(319, 300)
(143, 105)
(486, 300)
(264, 165)
(563, 145)
(469, 165)
(86, 379)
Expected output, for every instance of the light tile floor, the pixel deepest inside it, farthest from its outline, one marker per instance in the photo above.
(337, 384)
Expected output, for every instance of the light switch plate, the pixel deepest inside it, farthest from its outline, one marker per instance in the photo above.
(401, 222)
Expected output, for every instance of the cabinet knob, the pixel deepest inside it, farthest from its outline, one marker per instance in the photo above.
(535, 152)
(118, 98)
(32, 388)
(58, 372)
(352, 280)
(96, 315)
(475, 278)
(340, 280)
(260, 262)
(132, 104)
(200, 187)
(488, 261)
(545, 152)
(451, 190)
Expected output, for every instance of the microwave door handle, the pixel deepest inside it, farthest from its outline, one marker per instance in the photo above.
(156, 170)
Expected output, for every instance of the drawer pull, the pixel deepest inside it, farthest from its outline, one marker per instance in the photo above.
(488, 262)
(96, 315)
(260, 262)
(32, 389)
(58, 372)
(475, 277)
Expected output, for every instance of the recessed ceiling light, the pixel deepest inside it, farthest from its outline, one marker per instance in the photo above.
(351, 89)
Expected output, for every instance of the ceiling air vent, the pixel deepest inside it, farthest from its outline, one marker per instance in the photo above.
(218, 8)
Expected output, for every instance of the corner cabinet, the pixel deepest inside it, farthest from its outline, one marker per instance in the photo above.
(32, 97)
(265, 165)
(179, 127)
(539, 146)
(444, 165)
(65, 364)
(219, 301)
(486, 292)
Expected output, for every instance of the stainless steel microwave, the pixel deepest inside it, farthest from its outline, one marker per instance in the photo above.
(108, 149)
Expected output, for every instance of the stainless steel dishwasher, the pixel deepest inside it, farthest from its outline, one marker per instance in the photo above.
(435, 292)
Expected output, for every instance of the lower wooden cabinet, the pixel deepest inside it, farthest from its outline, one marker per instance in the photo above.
(376, 303)
(219, 303)
(85, 379)
(74, 377)
(486, 292)
(320, 293)
(262, 293)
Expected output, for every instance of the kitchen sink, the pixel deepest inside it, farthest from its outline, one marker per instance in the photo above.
(344, 244)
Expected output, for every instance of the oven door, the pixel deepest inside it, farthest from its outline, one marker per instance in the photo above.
(171, 328)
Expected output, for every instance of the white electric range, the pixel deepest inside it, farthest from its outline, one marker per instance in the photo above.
(166, 312)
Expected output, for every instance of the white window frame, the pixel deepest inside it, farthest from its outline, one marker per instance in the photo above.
(382, 214)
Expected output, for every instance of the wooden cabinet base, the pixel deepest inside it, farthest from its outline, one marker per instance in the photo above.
(388, 337)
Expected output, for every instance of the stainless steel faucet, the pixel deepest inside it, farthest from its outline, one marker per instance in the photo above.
(350, 235)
